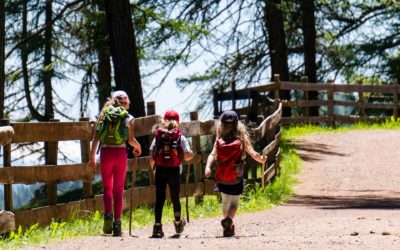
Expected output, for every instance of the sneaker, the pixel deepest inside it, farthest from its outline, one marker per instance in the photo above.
(108, 224)
(179, 225)
(117, 228)
(157, 231)
(232, 232)
(229, 228)
(227, 222)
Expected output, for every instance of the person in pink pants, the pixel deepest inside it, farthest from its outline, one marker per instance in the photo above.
(113, 160)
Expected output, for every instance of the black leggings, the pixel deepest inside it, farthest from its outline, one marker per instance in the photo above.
(170, 176)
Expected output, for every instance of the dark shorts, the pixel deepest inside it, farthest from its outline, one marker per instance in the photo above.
(235, 189)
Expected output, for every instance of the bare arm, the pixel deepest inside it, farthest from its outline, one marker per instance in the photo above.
(188, 153)
(95, 145)
(187, 156)
(210, 162)
(132, 140)
(152, 160)
(256, 156)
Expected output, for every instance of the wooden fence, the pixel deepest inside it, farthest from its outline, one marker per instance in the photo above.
(267, 135)
(366, 98)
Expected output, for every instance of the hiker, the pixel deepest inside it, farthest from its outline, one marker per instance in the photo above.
(232, 143)
(114, 127)
(167, 151)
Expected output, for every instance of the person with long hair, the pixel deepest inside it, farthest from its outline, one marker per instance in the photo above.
(229, 151)
(114, 128)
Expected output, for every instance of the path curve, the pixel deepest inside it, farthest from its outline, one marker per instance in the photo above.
(348, 198)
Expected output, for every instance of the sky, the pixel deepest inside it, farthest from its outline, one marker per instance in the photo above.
(167, 97)
(170, 97)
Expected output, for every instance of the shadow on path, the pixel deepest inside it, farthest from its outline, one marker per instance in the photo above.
(345, 202)
(311, 151)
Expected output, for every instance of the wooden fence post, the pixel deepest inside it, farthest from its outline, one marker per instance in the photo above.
(330, 96)
(8, 199)
(151, 110)
(395, 100)
(233, 87)
(198, 168)
(361, 100)
(306, 109)
(51, 152)
(85, 155)
(221, 91)
(252, 163)
(277, 86)
(215, 102)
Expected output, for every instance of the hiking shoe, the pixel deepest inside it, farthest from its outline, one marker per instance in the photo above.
(227, 222)
(179, 225)
(157, 231)
(229, 232)
(117, 228)
(108, 224)
(229, 228)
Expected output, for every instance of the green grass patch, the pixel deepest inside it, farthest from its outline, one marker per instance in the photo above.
(254, 198)
(294, 132)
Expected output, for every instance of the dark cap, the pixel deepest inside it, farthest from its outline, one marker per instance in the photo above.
(171, 115)
(229, 117)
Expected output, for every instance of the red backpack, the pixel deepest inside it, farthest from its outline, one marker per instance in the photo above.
(168, 151)
(229, 161)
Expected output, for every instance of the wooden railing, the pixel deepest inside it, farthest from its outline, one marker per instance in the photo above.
(267, 135)
(365, 99)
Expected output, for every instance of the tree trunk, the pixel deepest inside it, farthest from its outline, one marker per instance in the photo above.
(277, 46)
(47, 67)
(2, 57)
(103, 52)
(24, 61)
(309, 36)
(124, 53)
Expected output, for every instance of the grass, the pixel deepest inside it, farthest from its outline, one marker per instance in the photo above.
(254, 198)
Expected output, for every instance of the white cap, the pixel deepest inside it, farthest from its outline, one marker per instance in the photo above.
(120, 95)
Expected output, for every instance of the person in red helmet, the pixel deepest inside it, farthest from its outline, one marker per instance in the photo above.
(167, 151)
(230, 147)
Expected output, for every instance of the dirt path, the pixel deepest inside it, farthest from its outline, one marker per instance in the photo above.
(348, 198)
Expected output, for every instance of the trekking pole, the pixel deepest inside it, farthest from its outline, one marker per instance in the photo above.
(186, 193)
(131, 196)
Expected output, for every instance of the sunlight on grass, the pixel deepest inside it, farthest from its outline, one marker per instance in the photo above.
(254, 198)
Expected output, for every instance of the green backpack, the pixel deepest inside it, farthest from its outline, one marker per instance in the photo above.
(111, 129)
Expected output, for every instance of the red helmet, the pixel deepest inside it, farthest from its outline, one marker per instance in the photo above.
(171, 115)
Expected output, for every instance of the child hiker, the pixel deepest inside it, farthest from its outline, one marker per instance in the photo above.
(229, 149)
(167, 151)
(114, 127)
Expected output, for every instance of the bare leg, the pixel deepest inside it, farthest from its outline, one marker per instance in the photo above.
(232, 212)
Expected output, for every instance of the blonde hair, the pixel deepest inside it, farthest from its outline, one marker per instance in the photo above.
(239, 132)
(168, 124)
(110, 102)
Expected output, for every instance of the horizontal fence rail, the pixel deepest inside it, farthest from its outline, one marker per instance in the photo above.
(363, 99)
(267, 134)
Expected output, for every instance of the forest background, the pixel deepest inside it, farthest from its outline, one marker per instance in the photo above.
(61, 59)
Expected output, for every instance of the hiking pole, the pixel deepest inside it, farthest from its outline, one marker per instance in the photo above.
(186, 193)
(131, 196)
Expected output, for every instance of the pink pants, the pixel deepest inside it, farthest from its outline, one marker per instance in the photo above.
(113, 163)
